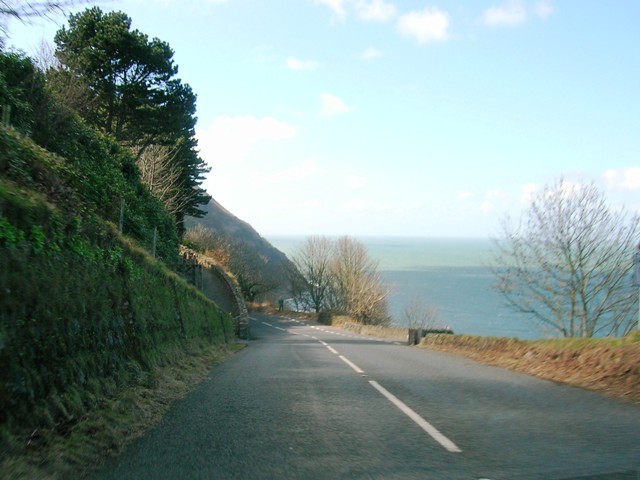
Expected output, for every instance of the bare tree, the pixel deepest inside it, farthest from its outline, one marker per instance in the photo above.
(164, 178)
(567, 263)
(417, 314)
(237, 258)
(357, 285)
(340, 275)
(313, 261)
(247, 265)
(27, 11)
(210, 243)
(297, 287)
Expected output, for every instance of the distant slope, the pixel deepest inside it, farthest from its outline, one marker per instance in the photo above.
(273, 264)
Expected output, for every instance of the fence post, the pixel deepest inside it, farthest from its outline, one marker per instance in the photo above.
(121, 222)
(6, 115)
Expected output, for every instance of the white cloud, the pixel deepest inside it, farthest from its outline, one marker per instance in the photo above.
(491, 198)
(487, 207)
(625, 179)
(496, 194)
(354, 205)
(297, 173)
(513, 13)
(428, 25)
(543, 9)
(295, 64)
(367, 10)
(528, 192)
(371, 53)
(231, 139)
(338, 7)
(332, 105)
(168, 2)
(462, 196)
(375, 10)
(355, 182)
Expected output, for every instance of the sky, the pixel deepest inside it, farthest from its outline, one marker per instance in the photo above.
(400, 117)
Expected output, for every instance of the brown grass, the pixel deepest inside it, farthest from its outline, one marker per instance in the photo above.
(608, 366)
(378, 331)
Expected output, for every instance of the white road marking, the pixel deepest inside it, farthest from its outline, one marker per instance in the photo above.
(421, 422)
(426, 426)
(351, 364)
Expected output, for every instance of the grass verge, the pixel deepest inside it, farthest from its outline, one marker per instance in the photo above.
(107, 429)
(610, 366)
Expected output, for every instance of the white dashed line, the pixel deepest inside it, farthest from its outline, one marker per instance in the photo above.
(351, 364)
(422, 423)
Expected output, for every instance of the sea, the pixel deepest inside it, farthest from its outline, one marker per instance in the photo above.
(450, 275)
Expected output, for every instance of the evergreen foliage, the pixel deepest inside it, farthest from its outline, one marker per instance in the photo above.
(90, 172)
(138, 99)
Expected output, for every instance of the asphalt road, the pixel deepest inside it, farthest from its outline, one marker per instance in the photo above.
(305, 401)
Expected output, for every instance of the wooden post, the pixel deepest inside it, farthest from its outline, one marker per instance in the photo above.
(121, 222)
(6, 115)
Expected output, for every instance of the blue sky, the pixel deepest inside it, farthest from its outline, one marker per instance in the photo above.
(401, 118)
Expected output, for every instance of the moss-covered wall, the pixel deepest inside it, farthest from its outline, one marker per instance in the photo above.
(84, 312)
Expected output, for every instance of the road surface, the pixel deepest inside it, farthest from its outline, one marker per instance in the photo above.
(305, 401)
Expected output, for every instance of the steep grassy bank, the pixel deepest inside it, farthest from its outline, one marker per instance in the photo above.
(85, 314)
(93, 328)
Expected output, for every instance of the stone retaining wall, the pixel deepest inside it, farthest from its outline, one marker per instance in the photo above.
(218, 286)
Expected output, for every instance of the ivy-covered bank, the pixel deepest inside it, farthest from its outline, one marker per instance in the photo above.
(85, 312)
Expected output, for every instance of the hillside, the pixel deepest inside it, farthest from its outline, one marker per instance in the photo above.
(256, 252)
(93, 305)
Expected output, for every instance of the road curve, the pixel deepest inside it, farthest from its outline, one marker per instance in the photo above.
(312, 402)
